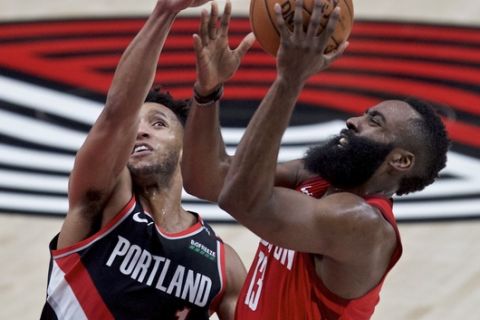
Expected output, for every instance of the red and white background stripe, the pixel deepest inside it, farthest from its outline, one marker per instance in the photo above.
(54, 75)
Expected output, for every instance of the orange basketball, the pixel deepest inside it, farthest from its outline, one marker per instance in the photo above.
(264, 25)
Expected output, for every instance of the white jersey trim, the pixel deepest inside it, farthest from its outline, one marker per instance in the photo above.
(56, 254)
(61, 298)
(196, 228)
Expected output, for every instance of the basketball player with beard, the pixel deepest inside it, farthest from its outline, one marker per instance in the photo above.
(329, 236)
(127, 249)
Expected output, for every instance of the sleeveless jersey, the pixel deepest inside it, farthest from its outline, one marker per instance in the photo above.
(282, 284)
(131, 269)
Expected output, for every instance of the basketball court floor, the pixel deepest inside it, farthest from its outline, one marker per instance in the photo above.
(437, 278)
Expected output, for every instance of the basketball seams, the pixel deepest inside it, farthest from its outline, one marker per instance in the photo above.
(350, 13)
(337, 44)
(273, 22)
(324, 25)
(264, 24)
(350, 9)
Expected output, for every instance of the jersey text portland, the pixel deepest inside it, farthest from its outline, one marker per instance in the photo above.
(131, 269)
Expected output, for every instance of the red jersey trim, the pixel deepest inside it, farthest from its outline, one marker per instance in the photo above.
(223, 276)
(127, 209)
(83, 287)
(340, 303)
(333, 303)
(313, 187)
(384, 205)
(316, 179)
(190, 231)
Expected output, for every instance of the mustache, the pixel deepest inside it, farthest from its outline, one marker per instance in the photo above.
(347, 133)
(344, 133)
(348, 164)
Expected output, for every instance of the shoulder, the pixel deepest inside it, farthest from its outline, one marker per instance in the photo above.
(362, 224)
(232, 256)
(235, 269)
(235, 275)
(363, 213)
(382, 237)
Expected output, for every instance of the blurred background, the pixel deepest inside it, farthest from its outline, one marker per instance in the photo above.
(57, 58)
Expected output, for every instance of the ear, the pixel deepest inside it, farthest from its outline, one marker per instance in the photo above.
(401, 160)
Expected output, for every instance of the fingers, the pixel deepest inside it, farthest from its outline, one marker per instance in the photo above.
(317, 14)
(204, 27)
(212, 22)
(225, 22)
(298, 19)
(245, 45)
(323, 38)
(197, 44)
(282, 26)
(208, 23)
(335, 54)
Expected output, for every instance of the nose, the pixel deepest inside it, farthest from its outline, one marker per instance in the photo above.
(353, 123)
(142, 130)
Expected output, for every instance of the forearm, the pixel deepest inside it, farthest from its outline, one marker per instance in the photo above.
(137, 67)
(250, 179)
(113, 135)
(107, 148)
(205, 161)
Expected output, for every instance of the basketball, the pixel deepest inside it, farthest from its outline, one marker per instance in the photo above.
(264, 26)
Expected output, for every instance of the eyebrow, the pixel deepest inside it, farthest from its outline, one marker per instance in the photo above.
(374, 113)
(153, 113)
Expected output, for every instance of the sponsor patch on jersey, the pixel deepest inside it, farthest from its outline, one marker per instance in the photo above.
(202, 250)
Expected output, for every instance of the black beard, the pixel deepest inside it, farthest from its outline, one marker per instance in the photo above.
(349, 165)
(158, 174)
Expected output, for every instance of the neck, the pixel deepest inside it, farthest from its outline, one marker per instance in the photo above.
(369, 188)
(163, 201)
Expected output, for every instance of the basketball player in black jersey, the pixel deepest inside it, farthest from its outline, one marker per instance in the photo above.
(327, 248)
(127, 249)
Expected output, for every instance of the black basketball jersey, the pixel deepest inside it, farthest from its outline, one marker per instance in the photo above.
(131, 269)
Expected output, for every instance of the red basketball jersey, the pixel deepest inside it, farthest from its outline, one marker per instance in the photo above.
(282, 284)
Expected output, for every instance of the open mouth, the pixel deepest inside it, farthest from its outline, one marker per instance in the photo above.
(141, 148)
(342, 140)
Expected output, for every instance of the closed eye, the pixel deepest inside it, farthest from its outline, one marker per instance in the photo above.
(375, 117)
(374, 120)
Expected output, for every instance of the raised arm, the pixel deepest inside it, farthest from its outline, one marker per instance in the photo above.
(283, 216)
(99, 184)
(205, 161)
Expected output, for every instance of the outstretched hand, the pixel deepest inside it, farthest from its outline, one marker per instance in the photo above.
(302, 53)
(216, 62)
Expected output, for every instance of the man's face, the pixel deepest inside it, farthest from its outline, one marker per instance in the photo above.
(158, 144)
(351, 158)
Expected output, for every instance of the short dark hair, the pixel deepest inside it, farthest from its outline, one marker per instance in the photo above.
(430, 132)
(179, 107)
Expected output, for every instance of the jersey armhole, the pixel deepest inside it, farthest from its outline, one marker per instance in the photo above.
(114, 222)
(384, 205)
(221, 265)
